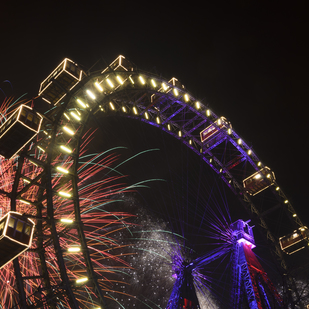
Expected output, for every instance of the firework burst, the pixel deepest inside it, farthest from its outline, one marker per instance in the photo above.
(98, 184)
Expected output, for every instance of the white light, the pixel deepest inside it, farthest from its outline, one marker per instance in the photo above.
(208, 112)
(259, 164)
(64, 194)
(219, 122)
(66, 220)
(175, 92)
(75, 116)
(124, 109)
(66, 116)
(90, 93)
(153, 83)
(110, 83)
(74, 249)
(245, 241)
(66, 149)
(229, 131)
(268, 175)
(179, 133)
(277, 189)
(41, 148)
(112, 106)
(62, 170)
(249, 152)
(169, 127)
(25, 202)
(81, 280)
(45, 132)
(294, 215)
(165, 87)
(69, 131)
(135, 110)
(286, 201)
(81, 103)
(146, 115)
(119, 80)
(99, 87)
(239, 142)
(190, 141)
(158, 120)
(142, 80)
(197, 105)
(258, 176)
(186, 97)
(131, 79)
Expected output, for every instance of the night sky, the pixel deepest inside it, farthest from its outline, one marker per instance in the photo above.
(247, 59)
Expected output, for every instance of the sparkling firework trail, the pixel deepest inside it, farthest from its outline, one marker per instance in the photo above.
(96, 189)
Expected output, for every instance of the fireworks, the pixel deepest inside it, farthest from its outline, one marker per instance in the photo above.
(138, 258)
(100, 226)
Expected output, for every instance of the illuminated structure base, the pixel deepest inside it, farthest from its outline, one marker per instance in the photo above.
(251, 287)
(183, 295)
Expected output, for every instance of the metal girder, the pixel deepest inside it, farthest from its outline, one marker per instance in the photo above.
(97, 290)
(52, 226)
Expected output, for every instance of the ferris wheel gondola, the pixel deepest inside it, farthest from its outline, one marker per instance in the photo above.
(16, 234)
(18, 130)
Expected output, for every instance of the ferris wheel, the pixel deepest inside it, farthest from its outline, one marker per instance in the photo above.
(45, 182)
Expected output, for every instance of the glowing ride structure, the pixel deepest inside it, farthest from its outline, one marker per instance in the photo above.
(123, 89)
(250, 283)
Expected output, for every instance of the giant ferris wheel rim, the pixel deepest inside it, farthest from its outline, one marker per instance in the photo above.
(179, 129)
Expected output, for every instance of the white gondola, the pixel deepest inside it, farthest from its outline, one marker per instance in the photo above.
(18, 130)
(65, 77)
(16, 233)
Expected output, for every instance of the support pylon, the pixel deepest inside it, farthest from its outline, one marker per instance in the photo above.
(183, 295)
(251, 286)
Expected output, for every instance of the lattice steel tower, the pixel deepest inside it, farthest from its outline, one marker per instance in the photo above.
(183, 295)
(251, 287)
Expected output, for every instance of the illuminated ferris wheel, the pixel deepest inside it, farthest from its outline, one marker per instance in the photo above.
(45, 189)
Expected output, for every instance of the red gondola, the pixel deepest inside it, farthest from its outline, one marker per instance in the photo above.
(214, 129)
(259, 181)
(295, 241)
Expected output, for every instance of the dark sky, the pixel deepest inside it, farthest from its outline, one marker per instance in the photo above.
(247, 59)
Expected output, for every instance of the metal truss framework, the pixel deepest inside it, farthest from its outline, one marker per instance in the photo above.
(124, 90)
(183, 294)
(251, 283)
